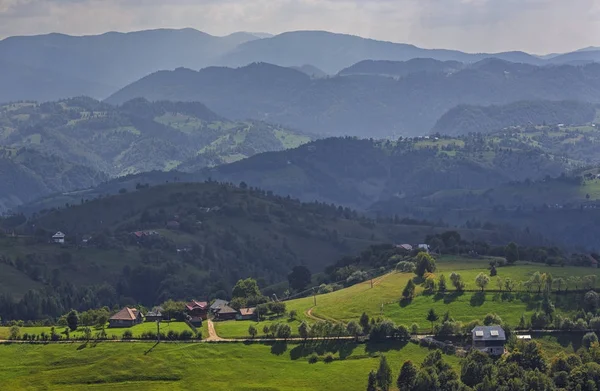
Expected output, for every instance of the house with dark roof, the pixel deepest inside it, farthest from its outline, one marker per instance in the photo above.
(217, 305)
(226, 313)
(155, 315)
(58, 237)
(127, 317)
(489, 339)
(246, 314)
(197, 311)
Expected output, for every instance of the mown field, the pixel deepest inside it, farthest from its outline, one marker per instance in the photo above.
(383, 298)
(227, 367)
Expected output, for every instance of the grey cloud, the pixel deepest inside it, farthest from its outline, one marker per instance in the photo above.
(472, 25)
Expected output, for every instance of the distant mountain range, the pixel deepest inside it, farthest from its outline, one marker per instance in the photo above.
(57, 66)
(368, 104)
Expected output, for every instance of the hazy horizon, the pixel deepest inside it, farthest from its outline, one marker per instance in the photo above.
(534, 26)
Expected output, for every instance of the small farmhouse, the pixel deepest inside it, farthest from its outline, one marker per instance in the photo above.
(58, 237)
(217, 305)
(197, 311)
(226, 313)
(127, 317)
(247, 314)
(155, 315)
(489, 339)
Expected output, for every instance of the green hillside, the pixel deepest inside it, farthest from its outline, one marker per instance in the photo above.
(466, 119)
(202, 238)
(139, 136)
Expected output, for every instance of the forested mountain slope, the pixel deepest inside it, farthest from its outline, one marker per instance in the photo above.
(466, 119)
(359, 172)
(402, 68)
(368, 105)
(25, 174)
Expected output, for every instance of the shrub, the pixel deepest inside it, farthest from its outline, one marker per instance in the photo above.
(328, 358)
(414, 328)
(313, 358)
(405, 267)
(324, 288)
(185, 335)
(172, 335)
(127, 334)
(589, 339)
(15, 331)
(492, 319)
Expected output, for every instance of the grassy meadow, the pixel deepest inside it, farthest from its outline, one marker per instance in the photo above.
(126, 366)
(383, 299)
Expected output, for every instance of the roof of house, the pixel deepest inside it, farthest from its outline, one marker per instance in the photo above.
(59, 235)
(192, 305)
(227, 310)
(218, 303)
(407, 247)
(488, 333)
(247, 311)
(126, 314)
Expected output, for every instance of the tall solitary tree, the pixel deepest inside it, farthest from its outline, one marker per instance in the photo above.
(425, 264)
(482, 281)
(73, 320)
(457, 281)
(432, 317)
(407, 376)
(384, 374)
(442, 284)
(511, 252)
(372, 384)
(299, 278)
(409, 290)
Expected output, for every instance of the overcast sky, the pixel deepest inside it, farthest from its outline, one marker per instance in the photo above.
(538, 26)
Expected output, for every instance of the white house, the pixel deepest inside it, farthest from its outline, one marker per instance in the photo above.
(424, 247)
(58, 237)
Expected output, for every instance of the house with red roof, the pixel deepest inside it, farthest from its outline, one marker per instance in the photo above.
(127, 317)
(197, 311)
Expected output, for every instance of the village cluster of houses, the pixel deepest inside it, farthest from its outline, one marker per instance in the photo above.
(196, 313)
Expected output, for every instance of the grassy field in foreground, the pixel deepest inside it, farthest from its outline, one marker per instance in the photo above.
(126, 366)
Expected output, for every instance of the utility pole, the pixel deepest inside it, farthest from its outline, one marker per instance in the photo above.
(158, 331)
(315, 296)
(371, 283)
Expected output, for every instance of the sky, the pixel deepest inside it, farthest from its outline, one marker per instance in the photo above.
(535, 26)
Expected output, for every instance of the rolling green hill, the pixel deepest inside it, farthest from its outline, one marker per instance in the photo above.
(242, 233)
(135, 137)
(486, 119)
